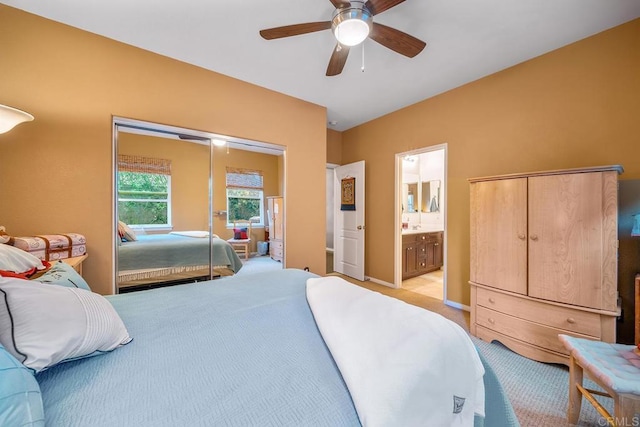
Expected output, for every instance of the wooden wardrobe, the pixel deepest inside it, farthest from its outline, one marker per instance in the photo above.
(544, 259)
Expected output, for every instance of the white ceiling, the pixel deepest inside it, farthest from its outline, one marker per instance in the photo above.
(466, 40)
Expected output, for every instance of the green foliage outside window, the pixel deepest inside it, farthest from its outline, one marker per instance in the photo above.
(143, 198)
(243, 204)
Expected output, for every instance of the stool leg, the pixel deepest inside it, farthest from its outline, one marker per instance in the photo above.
(575, 396)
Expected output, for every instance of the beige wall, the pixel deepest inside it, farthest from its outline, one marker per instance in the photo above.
(56, 173)
(573, 107)
(189, 175)
(334, 147)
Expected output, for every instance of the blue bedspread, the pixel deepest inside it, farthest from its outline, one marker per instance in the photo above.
(170, 250)
(238, 351)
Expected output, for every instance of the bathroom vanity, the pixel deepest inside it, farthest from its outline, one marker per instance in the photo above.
(421, 252)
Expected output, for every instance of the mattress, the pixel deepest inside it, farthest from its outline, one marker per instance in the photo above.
(237, 351)
(51, 247)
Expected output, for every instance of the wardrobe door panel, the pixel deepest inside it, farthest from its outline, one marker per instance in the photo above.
(499, 226)
(566, 238)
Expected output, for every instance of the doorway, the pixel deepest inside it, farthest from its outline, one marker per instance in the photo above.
(420, 264)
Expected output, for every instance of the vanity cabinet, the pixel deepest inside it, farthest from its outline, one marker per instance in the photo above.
(544, 259)
(421, 253)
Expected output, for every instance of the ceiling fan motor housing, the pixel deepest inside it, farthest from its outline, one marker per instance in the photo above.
(351, 25)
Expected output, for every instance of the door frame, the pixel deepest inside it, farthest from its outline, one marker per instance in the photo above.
(397, 282)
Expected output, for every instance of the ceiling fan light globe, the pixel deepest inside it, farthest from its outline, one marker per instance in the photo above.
(351, 26)
(351, 32)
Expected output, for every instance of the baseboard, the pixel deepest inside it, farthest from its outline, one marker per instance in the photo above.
(457, 305)
(380, 282)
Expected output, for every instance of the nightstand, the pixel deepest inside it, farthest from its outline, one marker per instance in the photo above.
(76, 262)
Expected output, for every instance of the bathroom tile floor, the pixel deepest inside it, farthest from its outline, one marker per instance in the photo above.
(429, 284)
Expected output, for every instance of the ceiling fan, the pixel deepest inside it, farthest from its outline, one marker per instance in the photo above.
(351, 24)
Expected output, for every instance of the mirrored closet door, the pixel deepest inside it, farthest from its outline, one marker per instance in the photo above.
(187, 208)
(162, 192)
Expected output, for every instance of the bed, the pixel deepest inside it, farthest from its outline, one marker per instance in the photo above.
(154, 258)
(238, 351)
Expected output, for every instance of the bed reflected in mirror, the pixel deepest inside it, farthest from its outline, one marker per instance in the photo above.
(163, 209)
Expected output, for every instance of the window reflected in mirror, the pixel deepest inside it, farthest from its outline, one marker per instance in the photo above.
(410, 197)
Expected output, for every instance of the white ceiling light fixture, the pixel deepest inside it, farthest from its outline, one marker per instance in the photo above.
(219, 142)
(11, 117)
(351, 25)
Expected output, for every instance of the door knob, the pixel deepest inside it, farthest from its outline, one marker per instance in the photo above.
(534, 237)
(521, 236)
(360, 227)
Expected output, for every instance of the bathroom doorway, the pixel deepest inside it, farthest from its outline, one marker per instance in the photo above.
(420, 264)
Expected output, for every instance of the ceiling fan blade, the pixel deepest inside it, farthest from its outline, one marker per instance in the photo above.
(339, 4)
(396, 40)
(379, 6)
(338, 59)
(294, 30)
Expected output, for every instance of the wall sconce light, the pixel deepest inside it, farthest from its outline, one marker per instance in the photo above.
(11, 117)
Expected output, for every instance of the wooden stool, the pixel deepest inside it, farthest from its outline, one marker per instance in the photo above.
(615, 368)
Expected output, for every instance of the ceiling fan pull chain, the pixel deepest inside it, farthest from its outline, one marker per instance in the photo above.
(362, 69)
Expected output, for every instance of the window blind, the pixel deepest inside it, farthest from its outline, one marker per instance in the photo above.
(140, 164)
(244, 178)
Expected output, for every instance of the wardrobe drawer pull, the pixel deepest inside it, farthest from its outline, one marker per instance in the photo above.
(571, 320)
(491, 320)
(492, 301)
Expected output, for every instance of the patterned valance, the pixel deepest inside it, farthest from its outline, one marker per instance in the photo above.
(244, 178)
(127, 163)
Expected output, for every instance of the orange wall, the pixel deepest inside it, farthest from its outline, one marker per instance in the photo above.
(334, 147)
(573, 107)
(56, 172)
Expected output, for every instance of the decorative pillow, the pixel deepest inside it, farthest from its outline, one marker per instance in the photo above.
(240, 233)
(43, 325)
(127, 233)
(17, 260)
(20, 399)
(63, 274)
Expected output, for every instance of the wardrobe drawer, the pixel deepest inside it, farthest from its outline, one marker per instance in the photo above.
(276, 244)
(567, 319)
(523, 330)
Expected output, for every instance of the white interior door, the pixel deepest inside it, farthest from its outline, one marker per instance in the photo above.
(348, 229)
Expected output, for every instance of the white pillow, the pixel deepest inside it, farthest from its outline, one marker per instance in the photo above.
(18, 261)
(126, 232)
(42, 325)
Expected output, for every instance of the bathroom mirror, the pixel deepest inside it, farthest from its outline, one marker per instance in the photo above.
(410, 201)
(430, 196)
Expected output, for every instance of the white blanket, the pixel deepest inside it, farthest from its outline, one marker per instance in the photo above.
(403, 365)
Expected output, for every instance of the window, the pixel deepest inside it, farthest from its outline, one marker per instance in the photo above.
(144, 191)
(245, 196)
